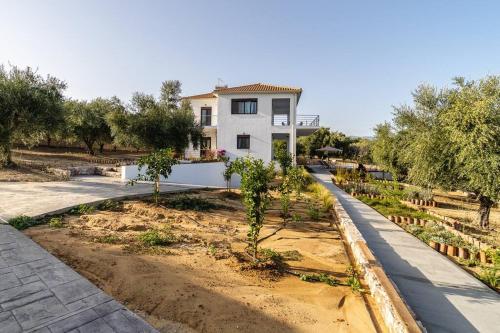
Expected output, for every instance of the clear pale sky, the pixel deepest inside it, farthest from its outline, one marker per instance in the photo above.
(354, 59)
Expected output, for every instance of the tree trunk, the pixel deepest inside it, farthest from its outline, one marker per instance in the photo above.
(101, 148)
(49, 140)
(485, 204)
(90, 147)
(5, 153)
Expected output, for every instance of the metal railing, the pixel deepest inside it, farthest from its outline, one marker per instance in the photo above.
(281, 120)
(208, 121)
(308, 120)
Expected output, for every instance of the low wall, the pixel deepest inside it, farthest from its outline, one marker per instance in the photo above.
(203, 174)
(395, 312)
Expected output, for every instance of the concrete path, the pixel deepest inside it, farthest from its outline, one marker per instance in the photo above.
(39, 293)
(444, 297)
(33, 199)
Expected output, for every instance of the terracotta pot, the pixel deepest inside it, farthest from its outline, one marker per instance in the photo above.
(482, 257)
(463, 253)
(451, 251)
(434, 245)
(443, 248)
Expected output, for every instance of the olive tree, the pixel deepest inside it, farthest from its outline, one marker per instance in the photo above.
(150, 123)
(255, 179)
(30, 107)
(87, 121)
(449, 138)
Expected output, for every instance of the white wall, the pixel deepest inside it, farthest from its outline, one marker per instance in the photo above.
(197, 104)
(258, 126)
(203, 174)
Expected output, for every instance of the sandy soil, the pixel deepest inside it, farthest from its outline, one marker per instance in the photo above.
(457, 205)
(202, 282)
(25, 174)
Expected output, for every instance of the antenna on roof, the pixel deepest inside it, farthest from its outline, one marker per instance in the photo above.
(220, 84)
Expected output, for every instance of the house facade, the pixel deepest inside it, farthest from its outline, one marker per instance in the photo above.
(245, 120)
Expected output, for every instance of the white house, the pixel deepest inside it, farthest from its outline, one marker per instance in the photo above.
(245, 120)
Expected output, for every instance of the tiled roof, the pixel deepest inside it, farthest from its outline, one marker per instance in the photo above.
(208, 95)
(250, 88)
(258, 87)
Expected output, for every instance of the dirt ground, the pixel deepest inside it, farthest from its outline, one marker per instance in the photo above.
(203, 282)
(32, 162)
(457, 205)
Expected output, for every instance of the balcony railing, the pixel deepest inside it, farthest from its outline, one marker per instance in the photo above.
(302, 120)
(308, 120)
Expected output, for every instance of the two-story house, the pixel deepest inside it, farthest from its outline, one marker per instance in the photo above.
(245, 120)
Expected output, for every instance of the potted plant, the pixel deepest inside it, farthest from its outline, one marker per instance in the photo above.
(463, 253)
(451, 250)
(434, 244)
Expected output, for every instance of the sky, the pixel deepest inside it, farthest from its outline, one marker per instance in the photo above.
(354, 60)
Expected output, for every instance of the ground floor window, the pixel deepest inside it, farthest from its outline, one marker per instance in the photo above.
(243, 141)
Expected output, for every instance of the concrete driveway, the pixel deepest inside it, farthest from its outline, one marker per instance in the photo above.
(39, 293)
(33, 199)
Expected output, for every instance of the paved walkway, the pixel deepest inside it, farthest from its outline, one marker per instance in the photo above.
(39, 293)
(443, 296)
(32, 199)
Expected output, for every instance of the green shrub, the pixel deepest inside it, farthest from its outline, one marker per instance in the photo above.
(22, 222)
(296, 217)
(319, 278)
(110, 205)
(353, 279)
(313, 212)
(82, 209)
(55, 222)
(108, 239)
(491, 276)
(157, 238)
(184, 202)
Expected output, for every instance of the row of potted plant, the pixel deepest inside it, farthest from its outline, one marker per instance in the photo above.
(440, 239)
(371, 196)
(420, 202)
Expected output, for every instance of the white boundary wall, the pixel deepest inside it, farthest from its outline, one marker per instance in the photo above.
(202, 174)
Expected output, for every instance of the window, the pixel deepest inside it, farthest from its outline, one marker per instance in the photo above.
(243, 142)
(206, 116)
(281, 105)
(244, 106)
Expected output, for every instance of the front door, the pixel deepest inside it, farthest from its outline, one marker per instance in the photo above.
(206, 146)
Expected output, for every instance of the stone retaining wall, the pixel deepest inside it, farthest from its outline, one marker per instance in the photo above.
(396, 314)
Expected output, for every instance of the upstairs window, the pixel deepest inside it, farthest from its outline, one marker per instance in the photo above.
(244, 106)
(243, 142)
(206, 116)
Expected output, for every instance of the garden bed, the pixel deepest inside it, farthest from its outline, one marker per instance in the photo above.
(184, 265)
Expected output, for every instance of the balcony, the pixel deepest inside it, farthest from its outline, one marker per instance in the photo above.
(302, 120)
(305, 120)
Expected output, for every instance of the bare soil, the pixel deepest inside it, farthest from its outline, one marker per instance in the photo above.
(203, 282)
(32, 163)
(458, 206)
